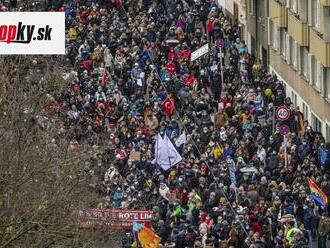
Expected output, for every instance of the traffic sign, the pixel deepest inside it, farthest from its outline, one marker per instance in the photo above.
(284, 130)
(282, 113)
(220, 43)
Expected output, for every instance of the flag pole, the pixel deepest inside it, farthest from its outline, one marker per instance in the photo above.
(168, 151)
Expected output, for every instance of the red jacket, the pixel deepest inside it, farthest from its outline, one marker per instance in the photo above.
(209, 26)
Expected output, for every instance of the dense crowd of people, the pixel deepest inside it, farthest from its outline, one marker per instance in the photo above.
(239, 184)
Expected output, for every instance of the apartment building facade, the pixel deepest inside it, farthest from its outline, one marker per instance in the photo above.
(257, 29)
(236, 11)
(299, 53)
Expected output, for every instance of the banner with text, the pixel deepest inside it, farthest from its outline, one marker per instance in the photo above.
(200, 52)
(114, 218)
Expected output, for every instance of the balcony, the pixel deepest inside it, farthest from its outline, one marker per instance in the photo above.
(319, 48)
(325, 2)
(278, 13)
(298, 30)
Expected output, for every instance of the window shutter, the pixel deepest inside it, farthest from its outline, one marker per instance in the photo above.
(321, 78)
(306, 68)
(310, 71)
(299, 58)
(287, 45)
(283, 42)
(294, 52)
(327, 83)
(278, 40)
(294, 6)
(318, 14)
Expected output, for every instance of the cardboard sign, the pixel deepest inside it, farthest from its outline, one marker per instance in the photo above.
(113, 218)
(135, 156)
(200, 52)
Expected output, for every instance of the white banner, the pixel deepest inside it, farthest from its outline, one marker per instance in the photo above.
(200, 52)
(165, 153)
(32, 33)
(181, 139)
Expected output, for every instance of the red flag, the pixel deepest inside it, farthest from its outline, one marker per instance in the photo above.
(168, 105)
(171, 55)
(184, 54)
(189, 79)
(171, 67)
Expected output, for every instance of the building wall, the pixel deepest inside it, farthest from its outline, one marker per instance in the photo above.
(299, 44)
(297, 87)
(257, 29)
(228, 6)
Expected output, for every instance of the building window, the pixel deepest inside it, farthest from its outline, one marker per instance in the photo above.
(327, 82)
(314, 72)
(327, 133)
(282, 42)
(315, 9)
(283, 2)
(305, 111)
(317, 74)
(252, 7)
(294, 5)
(287, 49)
(293, 98)
(273, 34)
(316, 124)
(304, 62)
(293, 52)
(298, 55)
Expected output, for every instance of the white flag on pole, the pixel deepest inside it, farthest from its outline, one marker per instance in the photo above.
(165, 153)
(181, 139)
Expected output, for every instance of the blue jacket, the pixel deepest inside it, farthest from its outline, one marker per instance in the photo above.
(304, 151)
(288, 209)
(228, 153)
(309, 218)
(324, 156)
(117, 198)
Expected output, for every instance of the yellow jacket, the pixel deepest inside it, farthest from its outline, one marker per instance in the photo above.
(217, 151)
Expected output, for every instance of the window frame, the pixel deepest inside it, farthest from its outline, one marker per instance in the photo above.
(316, 123)
(252, 7)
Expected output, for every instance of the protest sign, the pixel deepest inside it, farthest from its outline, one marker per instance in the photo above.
(113, 218)
(200, 52)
